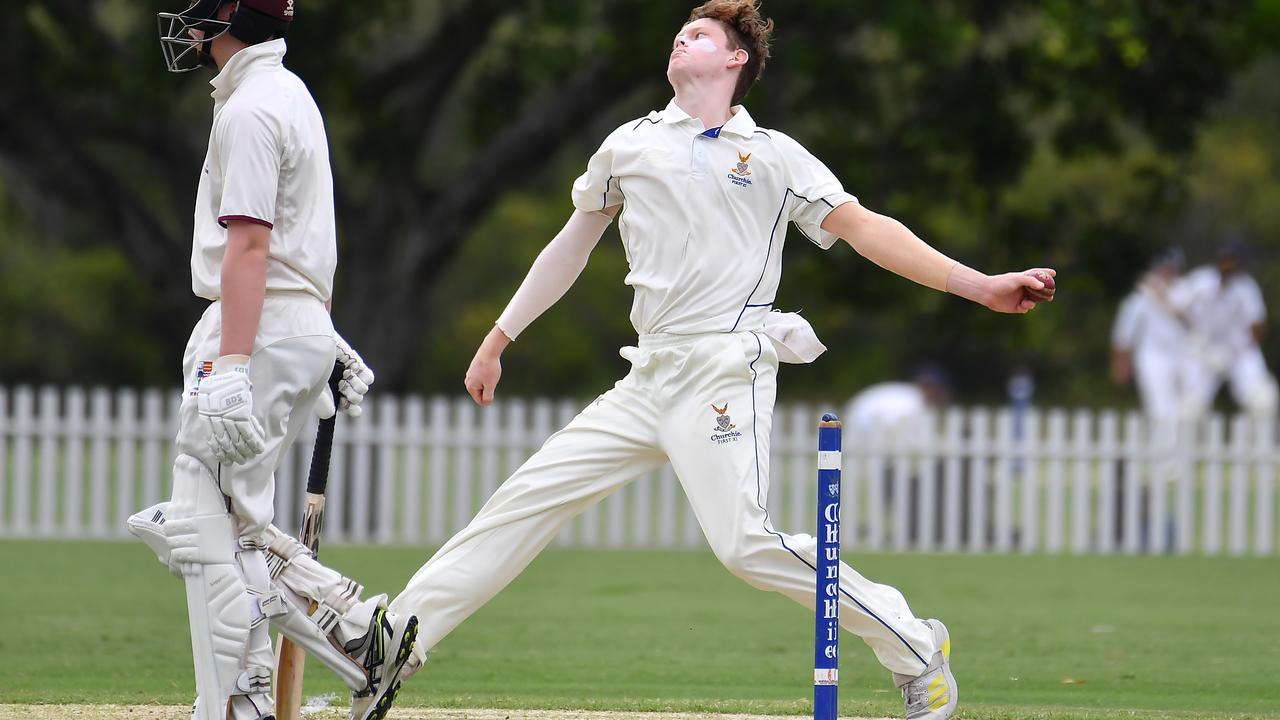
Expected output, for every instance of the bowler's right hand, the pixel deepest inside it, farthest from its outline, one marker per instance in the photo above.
(486, 367)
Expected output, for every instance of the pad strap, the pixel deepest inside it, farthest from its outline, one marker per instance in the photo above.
(255, 680)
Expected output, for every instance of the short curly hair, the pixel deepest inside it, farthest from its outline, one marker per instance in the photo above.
(747, 30)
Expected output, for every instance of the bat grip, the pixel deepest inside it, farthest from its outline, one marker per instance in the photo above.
(318, 477)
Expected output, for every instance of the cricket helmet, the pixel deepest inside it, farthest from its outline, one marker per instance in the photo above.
(252, 21)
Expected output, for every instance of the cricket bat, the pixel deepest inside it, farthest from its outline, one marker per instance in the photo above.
(290, 658)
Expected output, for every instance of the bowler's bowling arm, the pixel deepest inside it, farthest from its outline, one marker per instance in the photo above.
(891, 245)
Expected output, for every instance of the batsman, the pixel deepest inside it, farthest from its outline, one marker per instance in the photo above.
(264, 253)
(703, 195)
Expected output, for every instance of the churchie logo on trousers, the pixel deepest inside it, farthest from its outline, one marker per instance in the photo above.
(724, 431)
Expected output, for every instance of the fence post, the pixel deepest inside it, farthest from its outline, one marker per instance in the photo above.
(1211, 540)
(1006, 450)
(126, 475)
(1238, 517)
(1135, 471)
(389, 443)
(1055, 500)
(1028, 465)
(980, 449)
(1265, 468)
(1161, 467)
(49, 423)
(1108, 442)
(953, 450)
(927, 460)
(73, 523)
(414, 438)
(153, 435)
(1082, 471)
(23, 429)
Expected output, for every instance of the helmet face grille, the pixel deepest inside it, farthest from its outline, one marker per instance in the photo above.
(184, 36)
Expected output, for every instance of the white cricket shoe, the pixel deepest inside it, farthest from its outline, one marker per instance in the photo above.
(384, 650)
(931, 695)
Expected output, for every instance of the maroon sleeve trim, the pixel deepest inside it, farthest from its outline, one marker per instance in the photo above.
(223, 220)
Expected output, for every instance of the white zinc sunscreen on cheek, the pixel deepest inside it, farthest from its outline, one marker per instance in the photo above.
(703, 44)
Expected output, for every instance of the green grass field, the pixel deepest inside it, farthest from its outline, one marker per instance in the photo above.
(1034, 636)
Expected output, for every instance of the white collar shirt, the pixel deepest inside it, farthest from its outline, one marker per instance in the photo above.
(704, 215)
(268, 163)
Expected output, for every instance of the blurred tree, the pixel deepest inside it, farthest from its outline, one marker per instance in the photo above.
(1006, 133)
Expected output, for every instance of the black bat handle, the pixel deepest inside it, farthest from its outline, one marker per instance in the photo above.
(318, 478)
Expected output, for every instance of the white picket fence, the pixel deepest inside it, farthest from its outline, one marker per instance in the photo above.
(75, 463)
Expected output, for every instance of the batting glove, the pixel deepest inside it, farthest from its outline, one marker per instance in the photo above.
(225, 399)
(356, 378)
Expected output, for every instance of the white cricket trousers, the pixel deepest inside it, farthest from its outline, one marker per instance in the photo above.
(662, 410)
(293, 355)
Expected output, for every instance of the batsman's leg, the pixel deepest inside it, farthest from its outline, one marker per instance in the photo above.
(203, 548)
(356, 639)
(363, 632)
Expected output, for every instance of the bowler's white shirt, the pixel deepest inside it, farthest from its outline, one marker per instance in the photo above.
(268, 162)
(704, 215)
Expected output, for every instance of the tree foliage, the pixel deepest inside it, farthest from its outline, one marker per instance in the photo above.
(1077, 134)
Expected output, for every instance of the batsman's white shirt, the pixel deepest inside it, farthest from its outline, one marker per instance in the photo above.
(268, 162)
(705, 214)
(703, 221)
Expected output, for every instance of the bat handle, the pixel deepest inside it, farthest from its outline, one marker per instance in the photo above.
(318, 477)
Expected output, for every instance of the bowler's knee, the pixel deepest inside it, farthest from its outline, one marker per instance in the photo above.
(745, 559)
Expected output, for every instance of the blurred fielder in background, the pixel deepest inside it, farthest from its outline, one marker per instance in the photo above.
(707, 195)
(1228, 318)
(1150, 342)
(264, 254)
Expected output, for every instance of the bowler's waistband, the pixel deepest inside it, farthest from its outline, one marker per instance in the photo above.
(658, 341)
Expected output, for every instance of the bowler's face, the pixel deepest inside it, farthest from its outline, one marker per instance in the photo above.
(701, 48)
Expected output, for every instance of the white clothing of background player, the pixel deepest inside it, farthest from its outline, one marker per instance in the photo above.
(1228, 319)
(707, 194)
(1150, 342)
(264, 253)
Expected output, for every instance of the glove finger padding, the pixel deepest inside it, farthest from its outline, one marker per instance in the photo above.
(226, 401)
(356, 378)
(220, 443)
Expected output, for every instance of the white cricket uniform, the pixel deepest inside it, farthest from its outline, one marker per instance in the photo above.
(1222, 319)
(703, 222)
(1148, 326)
(886, 407)
(268, 163)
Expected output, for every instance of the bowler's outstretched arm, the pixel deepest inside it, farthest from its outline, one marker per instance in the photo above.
(891, 245)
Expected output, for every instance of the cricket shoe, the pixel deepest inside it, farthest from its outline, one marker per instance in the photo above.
(931, 695)
(384, 650)
(360, 704)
